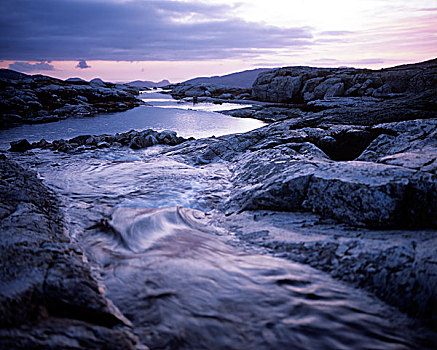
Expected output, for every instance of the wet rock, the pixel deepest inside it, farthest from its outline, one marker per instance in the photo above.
(134, 139)
(48, 297)
(41, 144)
(399, 266)
(103, 144)
(20, 146)
(138, 142)
(151, 140)
(184, 90)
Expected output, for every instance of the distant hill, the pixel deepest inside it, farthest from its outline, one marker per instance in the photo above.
(11, 74)
(75, 80)
(148, 84)
(243, 79)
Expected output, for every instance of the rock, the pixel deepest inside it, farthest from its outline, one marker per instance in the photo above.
(335, 90)
(103, 144)
(34, 104)
(40, 144)
(76, 80)
(9, 119)
(296, 84)
(425, 160)
(306, 164)
(39, 99)
(82, 139)
(151, 140)
(82, 98)
(331, 85)
(244, 96)
(97, 82)
(20, 146)
(138, 142)
(358, 193)
(225, 96)
(48, 297)
(134, 139)
(184, 90)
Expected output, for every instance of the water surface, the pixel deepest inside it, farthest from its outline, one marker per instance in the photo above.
(166, 114)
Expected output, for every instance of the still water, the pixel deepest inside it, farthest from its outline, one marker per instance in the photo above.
(186, 119)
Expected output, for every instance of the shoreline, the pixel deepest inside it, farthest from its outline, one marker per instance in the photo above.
(347, 185)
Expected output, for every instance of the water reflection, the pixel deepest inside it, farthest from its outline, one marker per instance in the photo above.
(187, 123)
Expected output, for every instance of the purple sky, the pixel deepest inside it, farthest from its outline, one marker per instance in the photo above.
(122, 40)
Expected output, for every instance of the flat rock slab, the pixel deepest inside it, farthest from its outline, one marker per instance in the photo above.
(359, 193)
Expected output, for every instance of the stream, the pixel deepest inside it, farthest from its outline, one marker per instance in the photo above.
(144, 220)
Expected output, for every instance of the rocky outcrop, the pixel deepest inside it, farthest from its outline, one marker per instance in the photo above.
(134, 139)
(40, 99)
(306, 164)
(209, 90)
(48, 296)
(357, 200)
(304, 84)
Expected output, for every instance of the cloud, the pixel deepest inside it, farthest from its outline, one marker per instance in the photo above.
(135, 30)
(365, 61)
(335, 33)
(82, 65)
(368, 61)
(31, 67)
(328, 61)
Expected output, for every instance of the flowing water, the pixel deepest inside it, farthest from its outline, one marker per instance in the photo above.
(144, 221)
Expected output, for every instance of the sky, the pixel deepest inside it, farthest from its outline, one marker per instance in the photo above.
(124, 40)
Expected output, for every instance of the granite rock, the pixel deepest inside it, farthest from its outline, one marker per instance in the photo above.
(26, 99)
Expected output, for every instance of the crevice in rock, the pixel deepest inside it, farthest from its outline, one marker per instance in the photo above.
(60, 309)
(347, 145)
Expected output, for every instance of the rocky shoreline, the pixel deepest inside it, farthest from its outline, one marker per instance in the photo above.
(133, 139)
(30, 99)
(343, 180)
(358, 147)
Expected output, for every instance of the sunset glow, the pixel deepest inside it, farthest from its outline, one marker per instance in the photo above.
(178, 40)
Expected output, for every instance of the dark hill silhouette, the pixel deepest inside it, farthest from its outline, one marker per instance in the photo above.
(243, 79)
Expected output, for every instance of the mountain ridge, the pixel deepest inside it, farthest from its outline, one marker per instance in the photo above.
(243, 79)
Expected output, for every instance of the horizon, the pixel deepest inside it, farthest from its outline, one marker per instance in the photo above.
(210, 76)
(177, 40)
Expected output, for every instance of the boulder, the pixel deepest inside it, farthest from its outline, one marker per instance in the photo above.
(20, 146)
(359, 193)
(138, 142)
